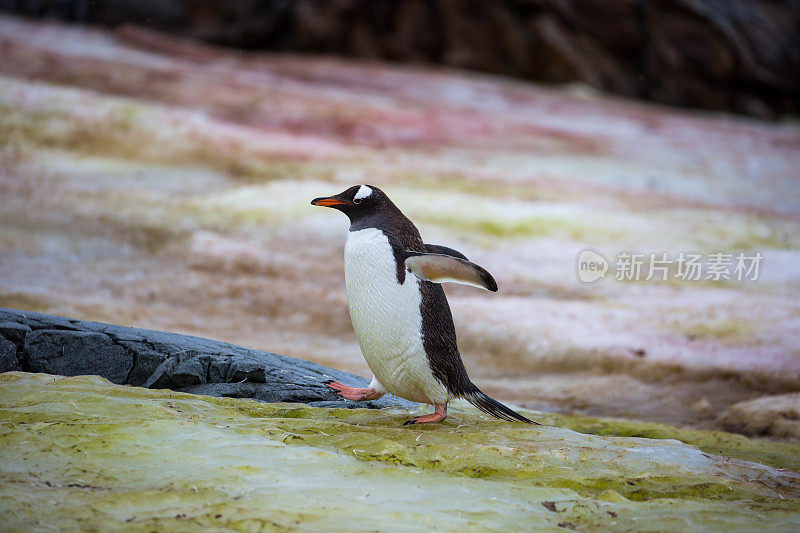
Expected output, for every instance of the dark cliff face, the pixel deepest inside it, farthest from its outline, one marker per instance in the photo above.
(741, 56)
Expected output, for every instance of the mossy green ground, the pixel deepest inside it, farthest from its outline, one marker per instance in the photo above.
(82, 453)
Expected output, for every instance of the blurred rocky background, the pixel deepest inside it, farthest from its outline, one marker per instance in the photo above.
(741, 56)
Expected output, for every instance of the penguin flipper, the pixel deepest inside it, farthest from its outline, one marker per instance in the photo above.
(440, 268)
(444, 250)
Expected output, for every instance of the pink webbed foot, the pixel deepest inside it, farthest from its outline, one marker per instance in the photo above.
(437, 416)
(353, 393)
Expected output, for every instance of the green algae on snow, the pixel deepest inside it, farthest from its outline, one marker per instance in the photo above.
(776, 454)
(100, 456)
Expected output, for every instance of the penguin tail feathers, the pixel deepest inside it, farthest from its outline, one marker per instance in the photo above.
(489, 405)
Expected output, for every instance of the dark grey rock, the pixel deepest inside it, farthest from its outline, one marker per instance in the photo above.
(145, 360)
(75, 353)
(157, 359)
(248, 370)
(160, 379)
(8, 356)
(14, 331)
(36, 320)
(189, 370)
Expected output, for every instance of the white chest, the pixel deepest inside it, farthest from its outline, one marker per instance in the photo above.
(386, 318)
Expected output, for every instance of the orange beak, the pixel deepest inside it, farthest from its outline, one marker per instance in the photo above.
(326, 202)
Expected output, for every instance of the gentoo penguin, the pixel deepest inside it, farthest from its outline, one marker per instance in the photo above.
(399, 311)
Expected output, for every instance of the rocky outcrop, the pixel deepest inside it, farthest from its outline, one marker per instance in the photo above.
(35, 342)
(715, 54)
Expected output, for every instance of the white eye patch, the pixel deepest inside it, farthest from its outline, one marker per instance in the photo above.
(363, 192)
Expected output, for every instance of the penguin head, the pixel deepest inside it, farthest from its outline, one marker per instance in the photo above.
(357, 202)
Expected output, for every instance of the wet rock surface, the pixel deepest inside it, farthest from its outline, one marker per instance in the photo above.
(35, 342)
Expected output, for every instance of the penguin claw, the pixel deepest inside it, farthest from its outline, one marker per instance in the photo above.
(335, 385)
(438, 415)
(353, 393)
